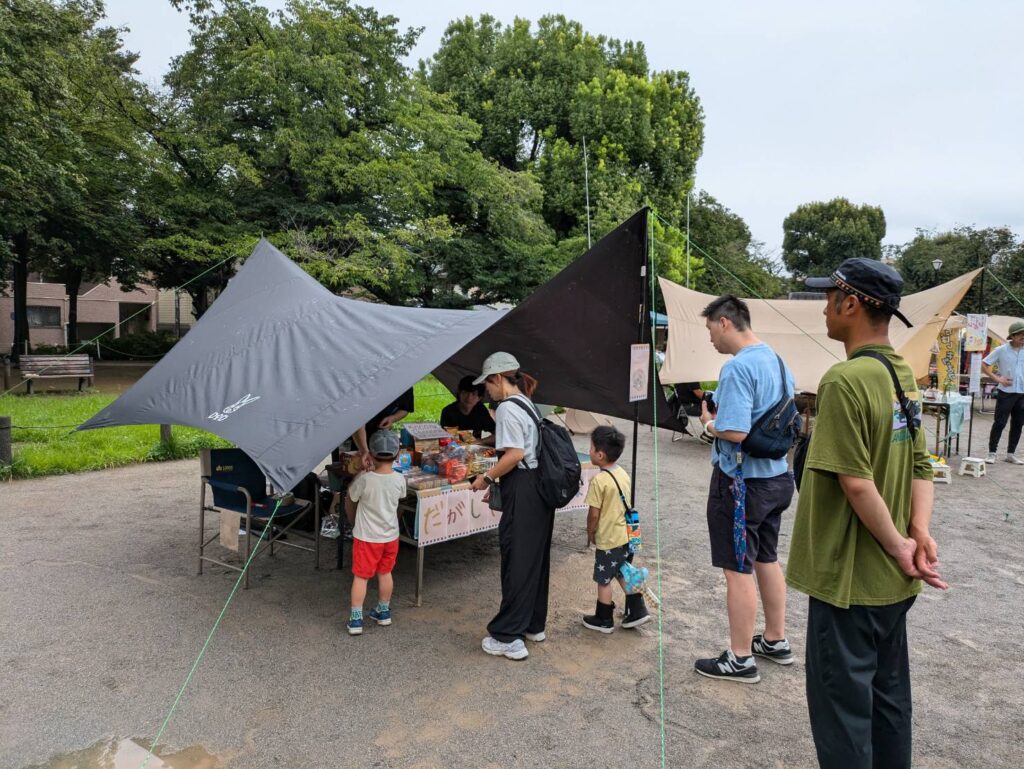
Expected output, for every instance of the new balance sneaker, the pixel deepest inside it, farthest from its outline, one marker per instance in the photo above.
(380, 617)
(355, 626)
(536, 637)
(1013, 459)
(991, 458)
(514, 651)
(729, 667)
(776, 651)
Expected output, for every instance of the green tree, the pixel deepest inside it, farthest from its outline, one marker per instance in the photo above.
(305, 126)
(819, 236)
(42, 46)
(537, 93)
(961, 250)
(733, 261)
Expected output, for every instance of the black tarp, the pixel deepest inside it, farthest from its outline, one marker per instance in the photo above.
(573, 334)
(285, 370)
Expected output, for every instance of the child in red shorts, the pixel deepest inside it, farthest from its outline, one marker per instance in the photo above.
(372, 509)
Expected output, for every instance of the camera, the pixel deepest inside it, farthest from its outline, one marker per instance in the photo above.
(709, 399)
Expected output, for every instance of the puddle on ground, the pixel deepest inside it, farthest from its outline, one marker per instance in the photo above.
(131, 754)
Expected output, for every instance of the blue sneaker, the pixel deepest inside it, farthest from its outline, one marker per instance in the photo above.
(355, 626)
(380, 617)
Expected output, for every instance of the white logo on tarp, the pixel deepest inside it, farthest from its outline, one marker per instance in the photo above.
(220, 416)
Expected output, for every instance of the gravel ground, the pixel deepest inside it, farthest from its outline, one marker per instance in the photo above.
(103, 614)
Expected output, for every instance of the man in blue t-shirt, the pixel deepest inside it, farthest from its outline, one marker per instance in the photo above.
(744, 526)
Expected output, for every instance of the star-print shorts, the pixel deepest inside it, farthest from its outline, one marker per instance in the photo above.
(608, 562)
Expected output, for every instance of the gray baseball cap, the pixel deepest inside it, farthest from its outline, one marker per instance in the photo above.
(497, 363)
(384, 444)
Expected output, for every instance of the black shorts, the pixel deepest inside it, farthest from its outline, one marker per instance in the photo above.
(767, 499)
(608, 562)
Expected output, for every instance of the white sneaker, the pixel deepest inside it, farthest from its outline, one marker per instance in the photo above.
(536, 637)
(991, 458)
(1013, 459)
(514, 651)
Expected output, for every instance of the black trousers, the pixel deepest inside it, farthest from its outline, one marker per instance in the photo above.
(524, 534)
(1009, 407)
(858, 685)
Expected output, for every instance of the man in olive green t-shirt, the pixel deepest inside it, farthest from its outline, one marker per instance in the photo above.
(860, 544)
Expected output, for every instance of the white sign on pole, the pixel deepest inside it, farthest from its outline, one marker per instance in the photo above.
(974, 387)
(639, 371)
(976, 332)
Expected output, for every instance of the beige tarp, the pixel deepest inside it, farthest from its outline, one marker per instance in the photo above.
(796, 330)
(998, 326)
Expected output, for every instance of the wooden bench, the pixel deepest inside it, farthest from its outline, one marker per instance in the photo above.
(55, 367)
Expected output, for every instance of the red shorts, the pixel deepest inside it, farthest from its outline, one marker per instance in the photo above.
(370, 558)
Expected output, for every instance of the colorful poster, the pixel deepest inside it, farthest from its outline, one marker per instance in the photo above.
(947, 361)
(975, 385)
(976, 330)
(639, 371)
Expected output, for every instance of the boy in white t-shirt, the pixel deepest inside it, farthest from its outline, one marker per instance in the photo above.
(372, 510)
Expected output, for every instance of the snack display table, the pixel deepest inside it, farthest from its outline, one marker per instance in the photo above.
(430, 516)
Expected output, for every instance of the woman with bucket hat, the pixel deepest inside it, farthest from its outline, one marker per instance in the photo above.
(524, 532)
(1009, 379)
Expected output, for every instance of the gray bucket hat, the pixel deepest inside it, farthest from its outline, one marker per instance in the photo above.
(497, 363)
(384, 444)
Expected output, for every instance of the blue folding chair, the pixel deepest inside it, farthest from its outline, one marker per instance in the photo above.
(237, 484)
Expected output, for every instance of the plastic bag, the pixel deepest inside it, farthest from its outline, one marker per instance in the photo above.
(330, 526)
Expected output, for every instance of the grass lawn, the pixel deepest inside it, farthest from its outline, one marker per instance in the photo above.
(50, 448)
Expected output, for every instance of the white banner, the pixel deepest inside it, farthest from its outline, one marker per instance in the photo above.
(974, 387)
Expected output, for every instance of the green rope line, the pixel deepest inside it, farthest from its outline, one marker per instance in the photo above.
(209, 637)
(657, 498)
(96, 339)
(1005, 288)
(753, 293)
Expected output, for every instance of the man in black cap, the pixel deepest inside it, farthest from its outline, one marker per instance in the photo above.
(861, 546)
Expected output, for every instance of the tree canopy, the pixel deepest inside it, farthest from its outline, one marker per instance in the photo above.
(819, 236)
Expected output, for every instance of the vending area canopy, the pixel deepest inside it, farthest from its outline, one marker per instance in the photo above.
(795, 329)
(286, 370)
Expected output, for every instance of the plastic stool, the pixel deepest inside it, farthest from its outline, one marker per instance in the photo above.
(972, 466)
(941, 473)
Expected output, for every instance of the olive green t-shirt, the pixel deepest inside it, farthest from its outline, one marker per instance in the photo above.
(859, 431)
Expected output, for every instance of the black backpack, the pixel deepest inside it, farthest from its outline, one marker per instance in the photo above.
(557, 461)
(773, 435)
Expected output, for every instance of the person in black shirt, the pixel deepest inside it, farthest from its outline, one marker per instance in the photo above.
(468, 412)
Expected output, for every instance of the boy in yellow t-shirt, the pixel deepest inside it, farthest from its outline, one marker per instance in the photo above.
(606, 530)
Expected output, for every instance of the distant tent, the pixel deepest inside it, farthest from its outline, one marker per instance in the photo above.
(796, 330)
(285, 370)
(998, 326)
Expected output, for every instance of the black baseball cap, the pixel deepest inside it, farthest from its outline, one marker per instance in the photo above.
(874, 283)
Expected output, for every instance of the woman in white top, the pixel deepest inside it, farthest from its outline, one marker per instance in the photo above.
(526, 520)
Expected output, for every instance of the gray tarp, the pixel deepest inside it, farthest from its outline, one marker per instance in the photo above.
(286, 370)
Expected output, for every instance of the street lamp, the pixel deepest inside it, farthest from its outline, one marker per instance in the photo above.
(936, 265)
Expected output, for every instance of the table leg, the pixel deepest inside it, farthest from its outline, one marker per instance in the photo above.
(419, 576)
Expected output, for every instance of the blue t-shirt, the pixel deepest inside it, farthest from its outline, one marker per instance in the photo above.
(1010, 363)
(748, 386)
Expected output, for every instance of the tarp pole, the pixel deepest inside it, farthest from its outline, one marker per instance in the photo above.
(644, 302)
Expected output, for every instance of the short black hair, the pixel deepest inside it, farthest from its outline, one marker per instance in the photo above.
(466, 386)
(609, 440)
(731, 307)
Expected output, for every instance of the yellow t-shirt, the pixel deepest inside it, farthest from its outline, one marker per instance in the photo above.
(611, 525)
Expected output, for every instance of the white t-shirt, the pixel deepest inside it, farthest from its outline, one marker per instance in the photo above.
(377, 496)
(517, 429)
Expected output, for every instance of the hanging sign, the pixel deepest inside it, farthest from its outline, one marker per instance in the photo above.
(639, 371)
(947, 361)
(976, 330)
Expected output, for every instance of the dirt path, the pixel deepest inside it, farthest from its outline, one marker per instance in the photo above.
(103, 614)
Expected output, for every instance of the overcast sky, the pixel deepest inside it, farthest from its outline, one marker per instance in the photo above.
(914, 105)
